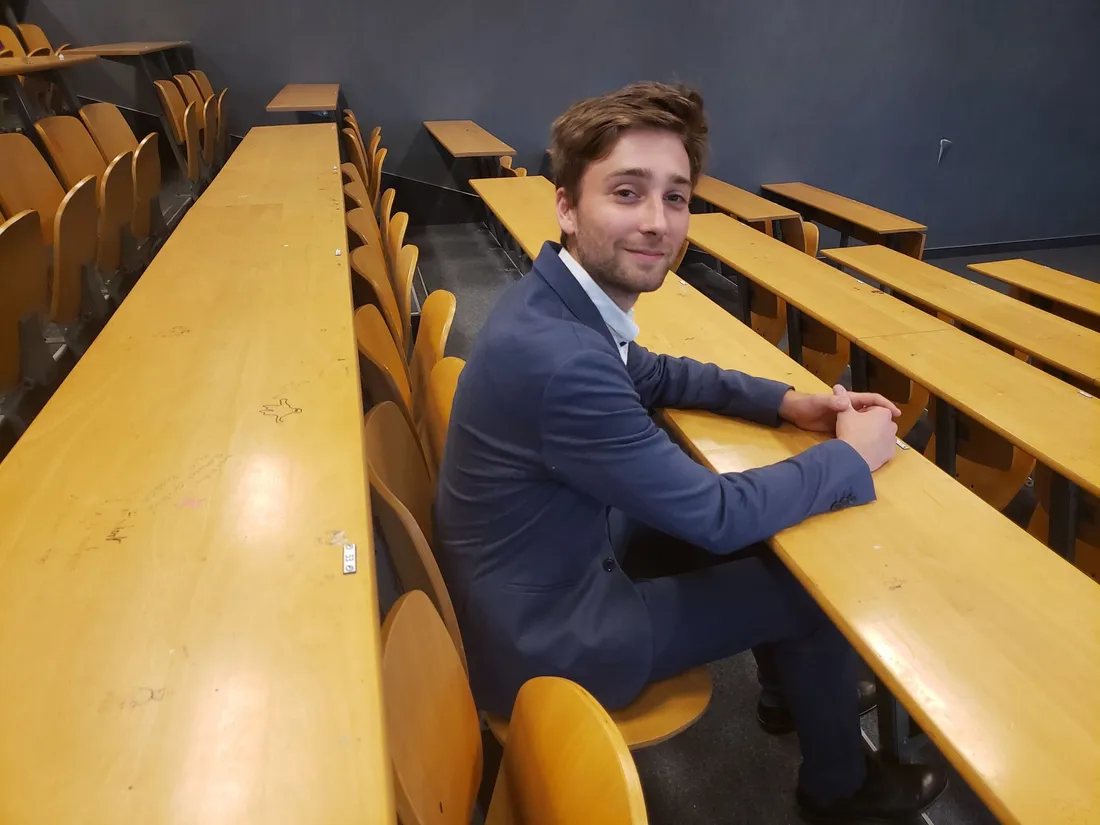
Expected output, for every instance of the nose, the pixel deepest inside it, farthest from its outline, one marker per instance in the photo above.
(653, 219)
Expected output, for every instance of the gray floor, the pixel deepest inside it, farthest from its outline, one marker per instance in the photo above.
(725, 769)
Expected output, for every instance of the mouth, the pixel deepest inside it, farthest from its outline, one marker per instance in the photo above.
(647, 255)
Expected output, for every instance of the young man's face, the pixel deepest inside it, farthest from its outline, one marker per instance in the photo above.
(631, 214)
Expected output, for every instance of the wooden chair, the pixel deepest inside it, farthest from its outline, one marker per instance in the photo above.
(990, 465)
(1087, 546)
(567, 763)
(442, 384)
(221, 143)
(191, 94)
(202, 82)
(76, 156)
(385, 216)
(209, 132)
(506, 170)
(114, 136)
(11, 42)
(385, 375)
(663, 709)
(401, 497)
(354, 150)
(67, 221)
(436, 317)
(77, 300)
(372, 286)
(27, 368)
(375, 189)
(37, 41)
(185, 130)
(367, 249)
(394, 236)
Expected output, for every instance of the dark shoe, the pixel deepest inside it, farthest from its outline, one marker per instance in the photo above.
(779, 720)
(890, 793)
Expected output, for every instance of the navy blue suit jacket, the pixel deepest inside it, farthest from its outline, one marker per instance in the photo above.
(549, 431)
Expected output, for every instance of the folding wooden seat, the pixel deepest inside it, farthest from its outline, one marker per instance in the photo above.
(113, 136)
(184, 120)
(75, 156)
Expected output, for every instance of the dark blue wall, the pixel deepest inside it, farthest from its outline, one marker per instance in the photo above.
(852, 95)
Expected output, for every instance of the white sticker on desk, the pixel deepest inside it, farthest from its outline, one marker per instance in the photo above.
(902, 444)
(349, 559)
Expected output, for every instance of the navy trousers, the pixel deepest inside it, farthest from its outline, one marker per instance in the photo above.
(705, 607)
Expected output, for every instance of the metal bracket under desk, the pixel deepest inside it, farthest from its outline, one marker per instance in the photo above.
(899, 738)
(1065, 502)
(794, 332)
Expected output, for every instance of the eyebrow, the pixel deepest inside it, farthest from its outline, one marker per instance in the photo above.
(646, 174)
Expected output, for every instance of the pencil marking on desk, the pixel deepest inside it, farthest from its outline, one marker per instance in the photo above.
(174, 332)
(280, 411)
(143, 696)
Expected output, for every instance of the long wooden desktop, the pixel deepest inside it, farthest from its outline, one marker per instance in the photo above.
(180, 641)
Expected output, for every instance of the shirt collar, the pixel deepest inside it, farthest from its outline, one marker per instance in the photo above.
(620, 323)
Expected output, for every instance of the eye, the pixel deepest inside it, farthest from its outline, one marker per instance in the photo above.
(625, 193)
(675, 197)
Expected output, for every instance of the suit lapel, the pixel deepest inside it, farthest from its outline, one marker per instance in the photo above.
(558, 277)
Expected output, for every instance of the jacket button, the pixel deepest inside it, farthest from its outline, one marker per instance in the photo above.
(609, 564)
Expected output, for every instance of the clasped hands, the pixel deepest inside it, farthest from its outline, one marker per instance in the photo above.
(865, 420)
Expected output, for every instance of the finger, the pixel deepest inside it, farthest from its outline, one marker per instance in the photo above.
(863, 400)
(839, 400)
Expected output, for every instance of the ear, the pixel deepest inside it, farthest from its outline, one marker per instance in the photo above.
(567, 215)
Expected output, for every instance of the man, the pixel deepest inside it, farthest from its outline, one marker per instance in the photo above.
(555, 473)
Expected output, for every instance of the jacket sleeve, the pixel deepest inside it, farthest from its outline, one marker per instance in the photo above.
(608, 447)
(681, 383)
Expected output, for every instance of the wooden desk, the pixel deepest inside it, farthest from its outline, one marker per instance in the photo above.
(186, 646)
(308, 98)
(840, 302)
(30, 65)
(29, 107)
(1050, 339)
(946, 599)
(850, 217)
(131, 49)
(742, 205)
(465, 139)
(1033, 282)
(1046, 417)
(525, 206)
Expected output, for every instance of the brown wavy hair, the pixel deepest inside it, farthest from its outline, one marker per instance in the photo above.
(589, 130)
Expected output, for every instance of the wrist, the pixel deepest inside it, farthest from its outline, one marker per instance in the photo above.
(788, 403)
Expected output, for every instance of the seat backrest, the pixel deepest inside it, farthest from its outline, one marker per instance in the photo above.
(28, 182)
(221, 145)
(384, 373)
(385, 215)
(442, 384)
(74, 153)
(394, 235)
(75, 243)
(565, 762)
(34, 37)
(397, 473)
(351, 175)
(190, 91)
(403, 273)
(23, 287)
(206, 89)
(146, 185)
(174, 107)
(109, 129)
(210, 133)
(375, 188)
(11, 43)
(363, 230)
(354, 151)
(379, 291)
(116, 210)
(191, 139)
(431, 721)
(431, 341)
